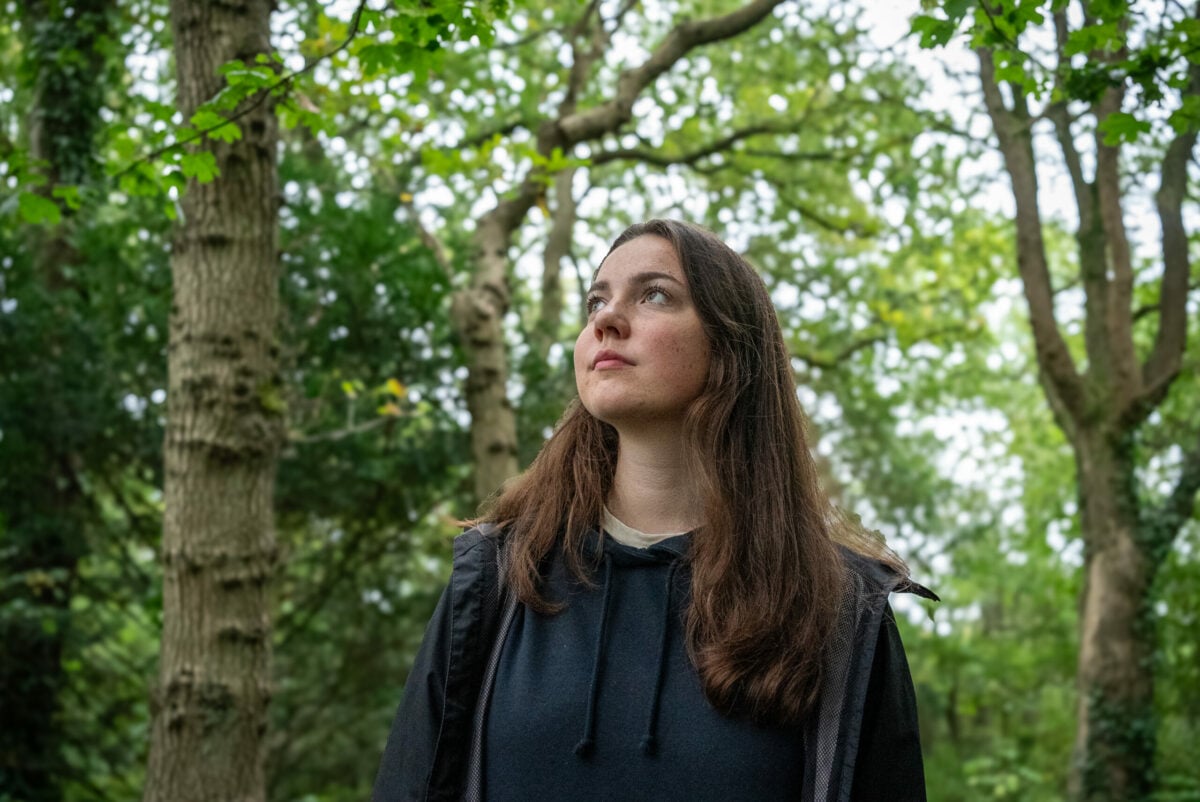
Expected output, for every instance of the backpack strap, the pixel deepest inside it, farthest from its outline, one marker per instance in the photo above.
(499, 599)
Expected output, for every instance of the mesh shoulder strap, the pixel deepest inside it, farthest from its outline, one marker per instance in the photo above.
(500, 599)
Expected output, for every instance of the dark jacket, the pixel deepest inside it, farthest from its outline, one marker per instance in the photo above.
(860, 744)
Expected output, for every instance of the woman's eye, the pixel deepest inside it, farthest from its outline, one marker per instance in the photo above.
(594, 304)
(657, 295)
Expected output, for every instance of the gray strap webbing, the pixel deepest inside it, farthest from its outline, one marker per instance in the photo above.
(473, 788)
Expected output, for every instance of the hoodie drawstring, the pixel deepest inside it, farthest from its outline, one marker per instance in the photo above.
(649, 742)
(585, 745)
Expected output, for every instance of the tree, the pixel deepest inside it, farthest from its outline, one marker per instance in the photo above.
(1118, 93)
(46, 380)
(224, 429)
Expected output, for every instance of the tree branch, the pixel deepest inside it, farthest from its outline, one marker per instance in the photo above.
(477, 139)
(1057, 371)
(430, 241)
(1162, 365)
(660, 159)
(1118, 321)
(1057, 114)
(341, 434)
(829, 363)
(1150, 309)
(558, 248)
(255, 100)
(609, 116)
(1177, 508)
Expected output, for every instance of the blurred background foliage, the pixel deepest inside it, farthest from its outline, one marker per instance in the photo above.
(811, 143)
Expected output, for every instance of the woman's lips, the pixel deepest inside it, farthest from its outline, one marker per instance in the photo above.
(607, 360)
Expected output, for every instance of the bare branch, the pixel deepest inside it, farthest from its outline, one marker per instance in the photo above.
(684, 37)
(582, 58)
(1151, 309)
(430, 241)
(691, 157)
(829, 363)
(1162, 365)
(527, 39)
(342, 434)
(480, 137)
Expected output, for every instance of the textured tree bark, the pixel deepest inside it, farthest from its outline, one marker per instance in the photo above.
(478, 311)
(224, 429)
(1114, 741)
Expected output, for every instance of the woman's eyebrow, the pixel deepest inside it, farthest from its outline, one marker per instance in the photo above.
(638, 278)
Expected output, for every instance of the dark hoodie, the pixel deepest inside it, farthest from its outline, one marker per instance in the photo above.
(602, 696)
(601, 702)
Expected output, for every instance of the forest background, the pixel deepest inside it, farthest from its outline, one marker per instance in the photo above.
(285, 289)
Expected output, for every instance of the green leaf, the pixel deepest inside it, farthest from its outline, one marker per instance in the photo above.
(1121, 127)
(229, 132)
(1186, 117)
(933, 32)
(206, 118)
(201, 166)
(69, 194)
(36, 210)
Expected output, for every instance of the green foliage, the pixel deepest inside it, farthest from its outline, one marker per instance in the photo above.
(893, 288)
(1115, 47)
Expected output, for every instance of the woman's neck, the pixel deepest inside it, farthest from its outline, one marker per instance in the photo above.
(653, 490)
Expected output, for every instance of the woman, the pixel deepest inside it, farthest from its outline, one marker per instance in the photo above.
(665, 605)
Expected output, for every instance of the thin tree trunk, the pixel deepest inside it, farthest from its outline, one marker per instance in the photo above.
(224, 429)
(558, 248)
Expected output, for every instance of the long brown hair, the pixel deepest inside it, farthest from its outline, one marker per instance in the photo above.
(767, 575)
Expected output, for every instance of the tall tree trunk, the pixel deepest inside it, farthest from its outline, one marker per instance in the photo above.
(42, 502)
(224, 430)
(1114, 746)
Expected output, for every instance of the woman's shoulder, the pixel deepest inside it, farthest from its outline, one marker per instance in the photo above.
(478, 539)
(477, 560)
(875, 575)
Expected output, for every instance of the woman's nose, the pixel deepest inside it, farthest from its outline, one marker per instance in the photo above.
(610, 318)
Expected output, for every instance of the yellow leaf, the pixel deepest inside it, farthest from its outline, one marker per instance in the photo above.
(406, 197)
(349, 390)
(396, 388)
(541, 204)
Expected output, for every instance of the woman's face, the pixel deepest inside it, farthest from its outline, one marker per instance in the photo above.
(643, 355)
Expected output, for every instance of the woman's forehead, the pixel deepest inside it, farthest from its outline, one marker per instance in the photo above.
(644, 254)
